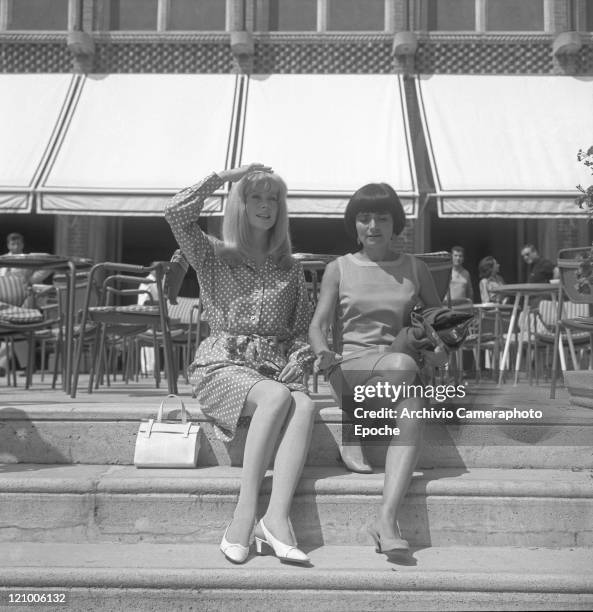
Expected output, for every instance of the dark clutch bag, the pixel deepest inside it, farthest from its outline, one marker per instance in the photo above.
(433, 327)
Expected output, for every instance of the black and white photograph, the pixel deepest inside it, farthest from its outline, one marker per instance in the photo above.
(296, 305)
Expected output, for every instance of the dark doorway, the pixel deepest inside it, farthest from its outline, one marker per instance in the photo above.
(148, 239)
(317, 235)
(479, 238)
(38, 231)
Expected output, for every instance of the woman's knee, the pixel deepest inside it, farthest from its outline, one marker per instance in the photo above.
(411, 429)
(274, 396)
(398, 365)
(304, 405)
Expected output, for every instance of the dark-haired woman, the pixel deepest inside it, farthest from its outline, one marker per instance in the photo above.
(374, 291)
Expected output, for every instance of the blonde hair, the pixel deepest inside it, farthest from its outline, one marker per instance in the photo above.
(236, 231)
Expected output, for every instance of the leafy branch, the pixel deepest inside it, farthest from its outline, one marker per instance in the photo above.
(585, 202)
(585, 199)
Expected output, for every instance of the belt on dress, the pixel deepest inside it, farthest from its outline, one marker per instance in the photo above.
(251, 348)
(249, 345)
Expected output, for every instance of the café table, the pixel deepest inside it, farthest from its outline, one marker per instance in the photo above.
(523, 292)
(62, 263)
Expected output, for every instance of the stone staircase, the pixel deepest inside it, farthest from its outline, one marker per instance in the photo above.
(500, 514)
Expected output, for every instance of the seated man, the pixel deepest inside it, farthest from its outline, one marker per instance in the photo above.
(15, 243)
(15, 292)
(540, 270)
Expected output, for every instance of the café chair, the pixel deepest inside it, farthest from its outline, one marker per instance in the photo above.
(314, 265)
(188, 329)
(545, 331)
(54, 340)
(486, 339)
(19, 324)
(20, 321)
(116, 323)
(570, 263)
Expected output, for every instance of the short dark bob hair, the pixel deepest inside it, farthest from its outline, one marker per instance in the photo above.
(375, 197)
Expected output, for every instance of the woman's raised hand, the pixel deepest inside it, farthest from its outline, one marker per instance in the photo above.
(236, 174)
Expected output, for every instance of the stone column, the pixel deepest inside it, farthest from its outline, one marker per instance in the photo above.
(397, 17)
(235, 15)
(322, 15)
(4, 14)
(80, 43)
(557, 16)
(241, 15)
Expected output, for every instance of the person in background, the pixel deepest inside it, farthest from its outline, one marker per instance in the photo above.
(460, 285)
(541, 270)
(15, 243)
(490, 279)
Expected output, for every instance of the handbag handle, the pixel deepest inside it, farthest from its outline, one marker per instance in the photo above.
(159, 416)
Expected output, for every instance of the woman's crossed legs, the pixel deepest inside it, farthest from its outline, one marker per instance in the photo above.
(402, 455)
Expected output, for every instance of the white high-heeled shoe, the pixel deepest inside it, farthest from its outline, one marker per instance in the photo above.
(236, 553)
(284, 552)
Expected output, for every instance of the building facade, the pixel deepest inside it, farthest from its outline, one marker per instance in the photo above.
(304, 37)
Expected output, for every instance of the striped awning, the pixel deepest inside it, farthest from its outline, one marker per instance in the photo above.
(32, 111)
(506, 146)
(130, 141)
(329, 134)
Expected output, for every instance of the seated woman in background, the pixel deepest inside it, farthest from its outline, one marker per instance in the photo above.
(490, 279)
(253, 361)
(375, 290)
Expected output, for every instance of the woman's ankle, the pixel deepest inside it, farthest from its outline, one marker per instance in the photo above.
(386, 521)
(278, 524)
(244, 515)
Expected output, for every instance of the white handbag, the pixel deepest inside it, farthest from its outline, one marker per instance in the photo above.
(167, 444)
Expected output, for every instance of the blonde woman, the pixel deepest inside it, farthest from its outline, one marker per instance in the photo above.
(253, 362)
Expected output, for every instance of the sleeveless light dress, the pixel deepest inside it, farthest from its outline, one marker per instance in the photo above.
(375, 301)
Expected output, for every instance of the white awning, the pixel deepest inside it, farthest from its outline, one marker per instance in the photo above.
(328, 135)
(32, 108)
(506, 146)
(133, 140)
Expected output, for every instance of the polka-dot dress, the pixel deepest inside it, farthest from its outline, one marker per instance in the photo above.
(258, 316)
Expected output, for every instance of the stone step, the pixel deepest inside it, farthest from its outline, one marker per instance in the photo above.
(444, 507)
(99, 430)
(154, 577)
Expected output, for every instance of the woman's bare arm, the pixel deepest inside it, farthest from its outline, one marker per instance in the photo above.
(323, 317)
